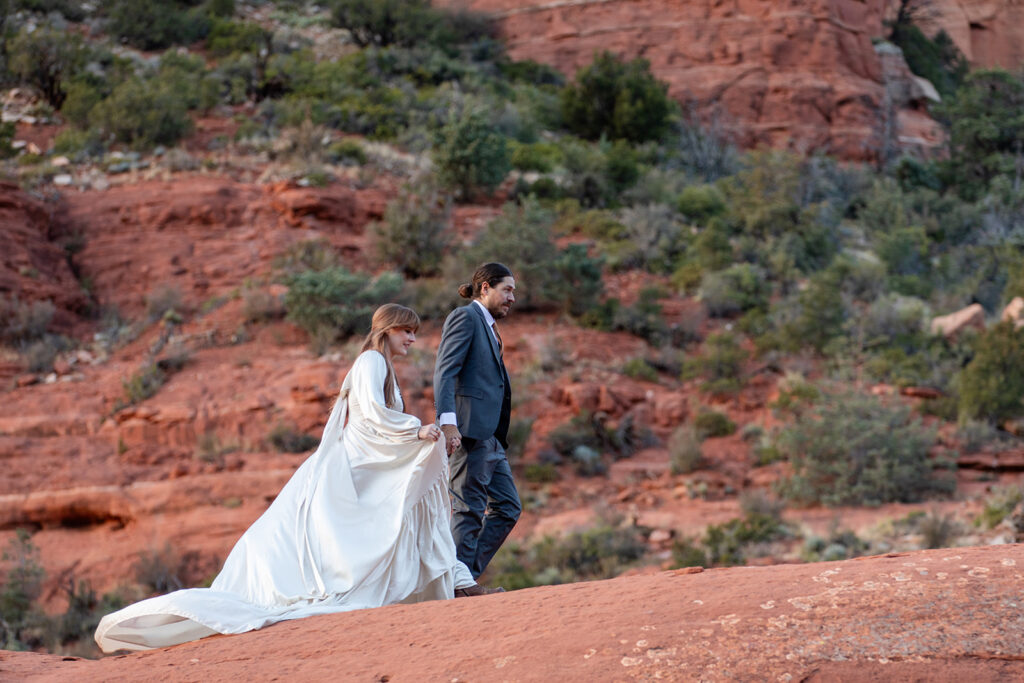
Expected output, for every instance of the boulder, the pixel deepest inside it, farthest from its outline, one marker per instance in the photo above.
(951, 325)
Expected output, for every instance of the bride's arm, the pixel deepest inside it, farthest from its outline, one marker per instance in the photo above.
(368, 373)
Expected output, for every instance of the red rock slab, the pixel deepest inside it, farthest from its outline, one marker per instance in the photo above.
(939, 615)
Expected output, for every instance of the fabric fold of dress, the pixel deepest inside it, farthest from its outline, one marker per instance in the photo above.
(363, 522)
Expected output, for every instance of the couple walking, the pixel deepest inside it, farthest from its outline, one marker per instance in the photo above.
(367, 519)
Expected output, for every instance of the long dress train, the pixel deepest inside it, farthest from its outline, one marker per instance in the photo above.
(363, 522)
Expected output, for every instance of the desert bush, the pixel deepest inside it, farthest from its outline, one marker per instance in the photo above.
(721, 363)
(991, 387)
(347, 151)
(727, 544)
(998, 506)
(685, 452)
(470, 155)
(83, 614)
(639, 368)
(22, 322)
(643, 319)
(618, 100)
(737, 289)
(163, 300)
(699, 203)
(143, 113)
(854, 450)
(227, 37)
(416, 230)
(519, 431)
(541, 473)
(158, 570)
(156, 24)
(308, 255)
(21, 588)
(796, 394)
(602, 552)
(651, 237)
(260, 305)
(407, 23)
(566, 279)
(712, 423)
(840, 544)
(938, 530)
(287, 439)
(937, 58)
(541, 157)
(335, 302)
(687, 552)
(47, 59)
(976, 435)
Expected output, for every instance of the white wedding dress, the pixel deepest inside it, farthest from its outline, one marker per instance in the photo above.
(363, 522)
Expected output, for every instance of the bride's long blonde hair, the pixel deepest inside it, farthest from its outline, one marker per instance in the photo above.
(385, 319)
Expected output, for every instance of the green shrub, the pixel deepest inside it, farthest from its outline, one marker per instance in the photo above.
(737, 289)
(22, 322)
(722, 364)
(78, 144)
(686, 552)
(685, 452)
(315, 255)
(855, 450)
(985, 130)
(288, 439)
(537, 156)
(143, 113)
(159, 570)
(937, 59)
(650, 237)
(643, 319)
(566, 279)
(470, 155)
(618, 100)
(22, 587)
(999, 505)
(991, 387)
(347, 151)
(711, 423)
(335, 303)
(156, 24)
(541, 473)
(46, 59)
(227, 37)
(726, 543)
(699, 203)
(416, 230)
(639, 368)
(406, 23)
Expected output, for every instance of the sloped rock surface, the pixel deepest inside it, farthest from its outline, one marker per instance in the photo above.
(940, 615)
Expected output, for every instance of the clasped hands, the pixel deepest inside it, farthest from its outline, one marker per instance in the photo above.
(453, 439)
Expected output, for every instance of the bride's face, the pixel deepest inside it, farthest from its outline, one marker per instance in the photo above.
(400, 339)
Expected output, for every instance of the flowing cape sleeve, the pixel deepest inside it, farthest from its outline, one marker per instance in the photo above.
(381, 424)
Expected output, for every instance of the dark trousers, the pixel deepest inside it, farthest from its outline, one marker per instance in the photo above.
(485, 502)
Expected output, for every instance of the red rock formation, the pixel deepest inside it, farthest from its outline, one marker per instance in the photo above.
(801, 75)
(988, 32)
(938, 615)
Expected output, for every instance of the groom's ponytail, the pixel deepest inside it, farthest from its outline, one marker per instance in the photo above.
(491, 273)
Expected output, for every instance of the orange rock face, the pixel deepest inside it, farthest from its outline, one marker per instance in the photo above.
(801, 74)
(988, 32)
(938, 615)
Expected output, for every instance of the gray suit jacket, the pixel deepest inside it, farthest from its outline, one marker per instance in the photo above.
(470, 379)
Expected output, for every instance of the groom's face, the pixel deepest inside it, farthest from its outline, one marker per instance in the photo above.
(499, 298)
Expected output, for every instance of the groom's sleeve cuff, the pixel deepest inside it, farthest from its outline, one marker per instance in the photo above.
(447, 419)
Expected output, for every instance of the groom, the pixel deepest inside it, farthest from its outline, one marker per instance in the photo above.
(473, 401)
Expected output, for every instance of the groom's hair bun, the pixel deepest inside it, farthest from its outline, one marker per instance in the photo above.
(491, 273)
(466, 291)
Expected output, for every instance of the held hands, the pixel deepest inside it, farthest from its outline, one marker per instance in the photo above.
(432, 432)
(452, 437)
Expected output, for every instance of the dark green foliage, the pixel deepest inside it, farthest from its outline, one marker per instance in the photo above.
(47, 59)
(288, 439)
(156, 24)
(85, 609)
(991, 387)
(537, 156)
(602, 552)
(711, 424)
(721, 364)
(986, 130)
(143, 113)
(21, 588)
(700, 203)
(936, 59)
(685, 452)
(541, 473)
(725, 543)
(562, 279)
(416, 230)
(737, 289)
(639, 368)
(643, 319)
(159, 570)
(335, 302)
(407, 23)
(618, 100)
(22, 322)
(821, 311)
(855, 450)
(470, 155)
(227, 37)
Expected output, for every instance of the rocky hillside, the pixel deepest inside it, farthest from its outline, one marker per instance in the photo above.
(937, 615)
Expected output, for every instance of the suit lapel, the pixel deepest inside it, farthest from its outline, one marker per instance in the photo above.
(489, 333)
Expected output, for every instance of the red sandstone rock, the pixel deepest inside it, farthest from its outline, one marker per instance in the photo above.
(1014, 312)
(801, 75)
(954, 323)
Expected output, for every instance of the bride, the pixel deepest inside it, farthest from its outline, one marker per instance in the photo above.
(363, 522)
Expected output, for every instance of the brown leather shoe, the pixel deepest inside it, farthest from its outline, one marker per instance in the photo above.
(473, 591)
